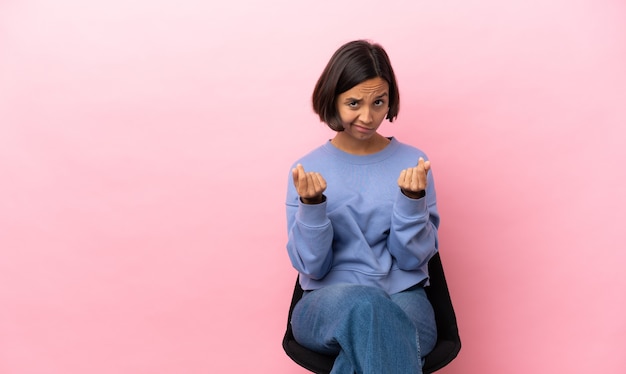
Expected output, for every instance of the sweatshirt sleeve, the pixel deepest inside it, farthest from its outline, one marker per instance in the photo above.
(414, 223)
(310, 236)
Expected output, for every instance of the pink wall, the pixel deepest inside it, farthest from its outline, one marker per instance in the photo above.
(145, 146)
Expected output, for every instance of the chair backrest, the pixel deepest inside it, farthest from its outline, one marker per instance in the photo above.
(448, 340)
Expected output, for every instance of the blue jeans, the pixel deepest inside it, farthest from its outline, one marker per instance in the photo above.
(369, 330)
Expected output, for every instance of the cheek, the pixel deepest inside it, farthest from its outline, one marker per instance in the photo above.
(380, 116)
(347, 116)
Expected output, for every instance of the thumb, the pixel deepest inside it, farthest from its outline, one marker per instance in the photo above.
(425, 163)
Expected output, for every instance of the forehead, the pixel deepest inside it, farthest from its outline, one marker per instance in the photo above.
(371, 87)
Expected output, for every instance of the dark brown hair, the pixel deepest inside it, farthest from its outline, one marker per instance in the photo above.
(353, 63)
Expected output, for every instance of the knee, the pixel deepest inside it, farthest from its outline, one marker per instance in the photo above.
(364, 303)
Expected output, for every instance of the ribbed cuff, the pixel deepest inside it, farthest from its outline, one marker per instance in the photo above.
(312, 214)
(407, 207)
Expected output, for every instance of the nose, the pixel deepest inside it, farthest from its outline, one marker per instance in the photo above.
(365, 116)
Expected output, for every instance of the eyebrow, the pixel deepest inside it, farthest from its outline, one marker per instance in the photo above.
(350, 99)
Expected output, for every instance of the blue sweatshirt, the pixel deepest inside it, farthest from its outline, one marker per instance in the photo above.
(367, 231)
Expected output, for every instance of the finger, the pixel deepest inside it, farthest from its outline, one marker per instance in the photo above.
(401, 178)
(322, 182)
(309, 191)
(416, 178)
(423, 175)
(295, 177)
(314, 188)
(315, 184)
(301, 175)
(408, 177)
(317, 179)
(301, 181)
(424, 163)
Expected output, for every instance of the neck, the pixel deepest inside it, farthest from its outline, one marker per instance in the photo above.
(353, 146)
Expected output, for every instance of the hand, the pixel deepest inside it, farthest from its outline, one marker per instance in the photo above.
(412, 181)
(310, 186)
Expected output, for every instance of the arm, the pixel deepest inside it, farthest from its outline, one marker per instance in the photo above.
(310, 233)
(310, 239)
(415, 220)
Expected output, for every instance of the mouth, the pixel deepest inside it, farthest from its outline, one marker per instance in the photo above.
(362, 128)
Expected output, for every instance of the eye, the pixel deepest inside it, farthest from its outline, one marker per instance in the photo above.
(379, 102)
(353, 104)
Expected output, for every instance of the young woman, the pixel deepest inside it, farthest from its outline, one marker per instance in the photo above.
(362, 222)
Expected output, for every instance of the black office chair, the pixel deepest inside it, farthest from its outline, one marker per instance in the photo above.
(448, 340)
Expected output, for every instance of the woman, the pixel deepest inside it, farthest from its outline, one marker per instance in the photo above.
(362, 222)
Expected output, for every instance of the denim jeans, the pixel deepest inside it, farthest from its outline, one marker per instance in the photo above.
(369, 330)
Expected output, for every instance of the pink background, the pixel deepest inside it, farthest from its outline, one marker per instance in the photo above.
(144, 154)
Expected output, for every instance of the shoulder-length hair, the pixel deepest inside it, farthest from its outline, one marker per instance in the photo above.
(353, 63)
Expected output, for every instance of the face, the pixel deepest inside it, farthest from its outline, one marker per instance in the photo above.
(364, 107)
